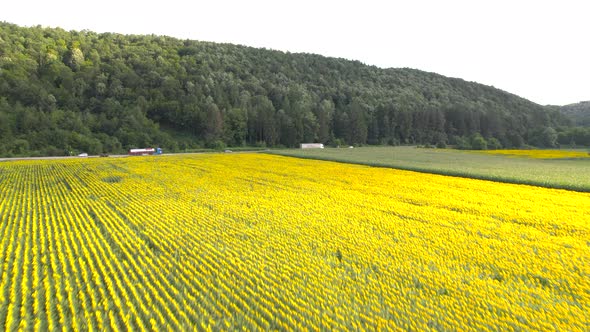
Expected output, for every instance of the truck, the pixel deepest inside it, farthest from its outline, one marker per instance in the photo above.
(312, 145)
(144, 151)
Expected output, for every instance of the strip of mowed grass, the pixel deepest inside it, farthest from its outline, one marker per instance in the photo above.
(571, 174)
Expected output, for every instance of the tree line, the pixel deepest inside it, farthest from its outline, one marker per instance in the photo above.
(64, 92)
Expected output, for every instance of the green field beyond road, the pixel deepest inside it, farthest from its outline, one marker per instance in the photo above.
(572, 174)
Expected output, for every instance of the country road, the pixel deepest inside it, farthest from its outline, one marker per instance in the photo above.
(58, 157)
(111, 156)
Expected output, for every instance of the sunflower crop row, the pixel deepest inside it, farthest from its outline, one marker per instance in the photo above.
(260, 242)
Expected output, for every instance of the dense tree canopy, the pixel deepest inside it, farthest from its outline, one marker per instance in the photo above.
(63, 92)
(579, 113)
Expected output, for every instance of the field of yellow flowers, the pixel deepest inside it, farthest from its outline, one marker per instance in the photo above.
(540, 154)
(259, 242)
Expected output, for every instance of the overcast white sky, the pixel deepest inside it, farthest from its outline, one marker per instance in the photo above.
(539, 50)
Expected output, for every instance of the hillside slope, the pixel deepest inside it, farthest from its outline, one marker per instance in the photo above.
(579, 113)
(63, 92)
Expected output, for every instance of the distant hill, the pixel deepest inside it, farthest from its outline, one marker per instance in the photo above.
(67, 92)
(579, 113)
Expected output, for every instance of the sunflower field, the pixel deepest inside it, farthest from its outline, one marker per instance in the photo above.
(540, 154)
(262, 242)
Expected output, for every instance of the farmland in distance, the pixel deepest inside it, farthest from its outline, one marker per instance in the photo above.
(552, 169)
(255, 241)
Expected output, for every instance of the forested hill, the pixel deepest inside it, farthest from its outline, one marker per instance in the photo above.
(64, 92)
(579, 112)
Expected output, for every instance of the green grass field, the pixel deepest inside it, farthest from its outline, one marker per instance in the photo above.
(572, 174)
